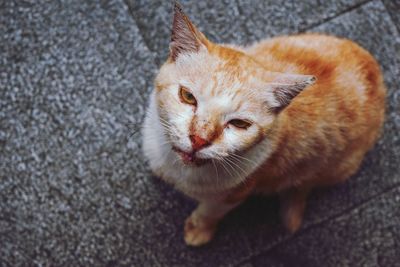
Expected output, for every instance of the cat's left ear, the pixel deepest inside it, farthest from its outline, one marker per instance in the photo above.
(285, 87)
(185, 37)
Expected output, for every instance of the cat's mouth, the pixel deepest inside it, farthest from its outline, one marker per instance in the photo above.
(190, 158)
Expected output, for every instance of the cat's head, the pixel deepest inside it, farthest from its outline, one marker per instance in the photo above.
(214, 100)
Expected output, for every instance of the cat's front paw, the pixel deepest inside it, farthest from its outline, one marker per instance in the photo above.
(198, 230)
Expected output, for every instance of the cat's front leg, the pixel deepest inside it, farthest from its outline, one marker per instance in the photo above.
(201, 225)
(293, 203)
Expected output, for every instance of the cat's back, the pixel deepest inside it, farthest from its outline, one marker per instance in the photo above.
(349, 81)
(329, 58)
(340, 115)
(315, 54)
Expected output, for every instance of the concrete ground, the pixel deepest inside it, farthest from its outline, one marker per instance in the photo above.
(74, 187)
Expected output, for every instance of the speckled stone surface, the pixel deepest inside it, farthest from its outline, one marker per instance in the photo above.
(74, 187)
(72, 74)
(393, 7)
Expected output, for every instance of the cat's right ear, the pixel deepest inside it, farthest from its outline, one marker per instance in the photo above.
(185, 38)
(285, 87)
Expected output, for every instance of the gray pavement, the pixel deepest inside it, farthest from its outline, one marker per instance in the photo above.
(75, 189)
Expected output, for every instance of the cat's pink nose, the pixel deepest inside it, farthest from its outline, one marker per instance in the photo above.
(198, 142)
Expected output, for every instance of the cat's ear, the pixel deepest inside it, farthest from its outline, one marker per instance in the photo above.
(185, 38)
(285, 87)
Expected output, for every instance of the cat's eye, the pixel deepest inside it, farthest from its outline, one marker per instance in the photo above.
(186, 96)
(242, 124)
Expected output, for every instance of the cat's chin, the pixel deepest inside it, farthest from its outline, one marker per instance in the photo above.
(190, 159)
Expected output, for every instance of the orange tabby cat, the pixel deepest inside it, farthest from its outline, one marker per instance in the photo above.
(282, 116)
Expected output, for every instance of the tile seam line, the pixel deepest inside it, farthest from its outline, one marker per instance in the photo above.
(145, 41)
(329, 18)
(321, 222)
(397, 27)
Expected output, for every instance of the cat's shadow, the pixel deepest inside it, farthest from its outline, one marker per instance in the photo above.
(258, 215)
(256, 212)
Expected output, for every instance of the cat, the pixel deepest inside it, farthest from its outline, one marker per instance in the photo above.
(282, 116)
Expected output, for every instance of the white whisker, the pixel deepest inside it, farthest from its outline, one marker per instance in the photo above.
(216, 170)
(225, 168)
(237, 165)
(244, 158)
(232, 167)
